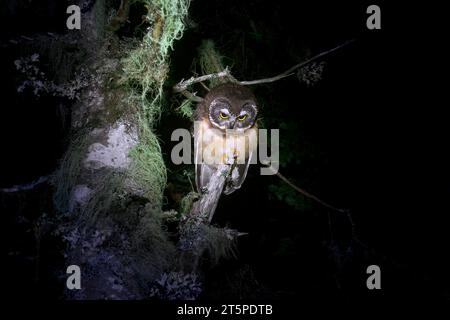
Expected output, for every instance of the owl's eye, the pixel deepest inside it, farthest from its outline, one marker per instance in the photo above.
(223, 115)
(243, 117)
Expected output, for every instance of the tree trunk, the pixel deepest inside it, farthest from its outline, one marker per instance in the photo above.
(110, 183)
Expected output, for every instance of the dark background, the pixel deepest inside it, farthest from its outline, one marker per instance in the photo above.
(371, 137)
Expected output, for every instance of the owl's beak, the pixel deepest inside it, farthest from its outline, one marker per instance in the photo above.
(233, 124)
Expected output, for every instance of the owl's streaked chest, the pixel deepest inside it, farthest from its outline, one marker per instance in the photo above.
(224, 146)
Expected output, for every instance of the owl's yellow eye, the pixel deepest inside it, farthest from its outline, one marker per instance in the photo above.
(223, 115)
(242, 118)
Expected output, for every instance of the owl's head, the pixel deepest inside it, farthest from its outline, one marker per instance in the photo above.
(231, 106)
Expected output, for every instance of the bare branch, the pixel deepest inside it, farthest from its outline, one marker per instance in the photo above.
(291, 70)
(204, 86)
(307, 194)
(191, 231)
(184, 84)
(26, 186)
(265, 80)
(204, 208)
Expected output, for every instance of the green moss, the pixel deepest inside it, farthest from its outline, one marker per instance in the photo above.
(148, 170)
(146, 66)
(186, 109)
(187, 202)
(124, 213)
(168, 26)
(210, 61)
(145, 70)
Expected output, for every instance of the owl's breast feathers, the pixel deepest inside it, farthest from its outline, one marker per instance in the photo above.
(223, 147)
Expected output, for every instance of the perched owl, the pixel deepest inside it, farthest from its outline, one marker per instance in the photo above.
(226, 134)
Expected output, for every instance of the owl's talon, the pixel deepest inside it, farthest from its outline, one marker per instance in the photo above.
(224, 173)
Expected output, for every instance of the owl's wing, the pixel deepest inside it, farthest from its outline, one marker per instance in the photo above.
(203, 171)
(238, 175)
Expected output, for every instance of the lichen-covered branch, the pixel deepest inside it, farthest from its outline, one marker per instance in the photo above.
(202, 212)
(184, 84)
(196, 235)
(205, 208)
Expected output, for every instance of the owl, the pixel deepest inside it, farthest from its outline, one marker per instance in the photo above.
(226, 134)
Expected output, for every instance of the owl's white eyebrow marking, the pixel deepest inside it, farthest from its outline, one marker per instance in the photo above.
(219, 101)
(250, 106)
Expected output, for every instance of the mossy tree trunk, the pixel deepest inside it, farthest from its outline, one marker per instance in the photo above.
(108, 79)
(109, 187)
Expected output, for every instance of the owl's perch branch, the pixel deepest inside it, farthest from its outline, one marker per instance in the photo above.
(202, 211)
(206, 206)
(192, 237)
(183, 85)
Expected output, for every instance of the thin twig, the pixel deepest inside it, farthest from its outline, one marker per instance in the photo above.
(265, 80)
(204, 86)
(191, 96)
(309, 195)
(291, 70)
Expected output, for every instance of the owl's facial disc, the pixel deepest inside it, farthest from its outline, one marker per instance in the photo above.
(219, 113)
(224, 115)
(246, 117)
